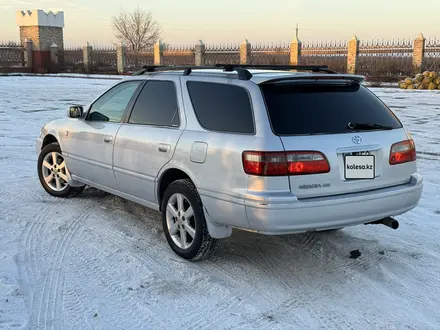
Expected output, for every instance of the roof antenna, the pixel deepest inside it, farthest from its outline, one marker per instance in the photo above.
(297, 30)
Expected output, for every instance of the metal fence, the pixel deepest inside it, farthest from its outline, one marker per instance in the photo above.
(385, 58)
(104, 59)
(11, 55)
(178, 55)
(332, 53)
(432, 55)
(71, 59)
(379, 58)
(136, 60)
(275, 54)
(228, 53)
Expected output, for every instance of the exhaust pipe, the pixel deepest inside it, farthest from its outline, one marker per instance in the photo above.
(389, 222)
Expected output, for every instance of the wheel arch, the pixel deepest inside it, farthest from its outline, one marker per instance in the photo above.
(172, 174)
(166, 178)
(48, 139)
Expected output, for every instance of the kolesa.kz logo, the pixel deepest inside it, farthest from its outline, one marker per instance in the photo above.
(359, 167)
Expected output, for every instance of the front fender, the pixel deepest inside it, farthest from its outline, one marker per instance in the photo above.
(50, 131)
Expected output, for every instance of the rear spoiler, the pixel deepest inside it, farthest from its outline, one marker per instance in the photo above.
(316, 77)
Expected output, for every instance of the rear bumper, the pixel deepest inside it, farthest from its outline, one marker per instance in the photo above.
(324, 213)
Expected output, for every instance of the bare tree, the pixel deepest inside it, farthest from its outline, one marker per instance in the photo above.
(136, 29)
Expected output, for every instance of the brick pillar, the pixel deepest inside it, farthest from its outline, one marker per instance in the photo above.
(245, 52)
(87, 58)
(121, 51)
(54, 58)
(28, 46)
(44, 28)
(200, 53)
(158, 53)
(353, 55)
(418, 54)
(295, 52)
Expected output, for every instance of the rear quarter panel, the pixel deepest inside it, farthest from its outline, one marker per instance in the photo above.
(220, 179)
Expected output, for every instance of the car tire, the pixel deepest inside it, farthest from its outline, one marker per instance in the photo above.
(53, 172)
(184, 222)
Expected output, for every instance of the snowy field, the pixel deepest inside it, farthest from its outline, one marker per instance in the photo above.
(99, 262)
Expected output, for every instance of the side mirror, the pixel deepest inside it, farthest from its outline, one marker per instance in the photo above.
(75, 111)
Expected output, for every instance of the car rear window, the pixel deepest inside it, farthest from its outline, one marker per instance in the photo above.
(323, 108)
(222, 107)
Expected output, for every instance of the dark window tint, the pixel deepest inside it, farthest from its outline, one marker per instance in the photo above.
(221, 107)
(111, 106)
(323, 109)
(156, 105)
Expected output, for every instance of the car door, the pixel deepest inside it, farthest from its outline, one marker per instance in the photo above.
(147, 140)
(88, 144)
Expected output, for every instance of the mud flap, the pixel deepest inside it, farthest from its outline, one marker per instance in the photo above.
(215, 230)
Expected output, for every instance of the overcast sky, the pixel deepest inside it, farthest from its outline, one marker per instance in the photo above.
(187, 21)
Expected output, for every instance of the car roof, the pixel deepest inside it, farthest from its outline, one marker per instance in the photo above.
(259, 76)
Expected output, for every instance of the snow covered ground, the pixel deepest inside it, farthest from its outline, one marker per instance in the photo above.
(99, 262)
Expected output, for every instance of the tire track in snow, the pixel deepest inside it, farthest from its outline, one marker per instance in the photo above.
(160, 269)
(34, 252)
(227, 303)
(212, 316)
(236, 299)
(28, 266)
(121, 240)
(114, 293)
(74, 302)
(51, 288)
(301, 297)
(266, 267)
(264, 321)
(353, 274)
(211, 267)
(59, 287)
(282, 274)
(13, 195)
(390, 265)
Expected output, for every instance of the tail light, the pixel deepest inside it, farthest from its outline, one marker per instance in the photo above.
(284, 163)
(403, 152)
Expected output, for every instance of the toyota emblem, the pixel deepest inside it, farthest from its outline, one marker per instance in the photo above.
(356, 139)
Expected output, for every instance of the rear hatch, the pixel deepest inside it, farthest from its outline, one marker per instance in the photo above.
(338, 119)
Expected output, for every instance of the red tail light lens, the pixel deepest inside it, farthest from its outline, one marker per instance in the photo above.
(403, 152)
(264, 163)
(307, 162)
(284, 163)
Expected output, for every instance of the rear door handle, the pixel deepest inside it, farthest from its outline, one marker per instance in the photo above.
(162, 147)
(108, 139)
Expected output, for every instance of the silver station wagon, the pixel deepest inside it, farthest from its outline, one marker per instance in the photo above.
(269, 149)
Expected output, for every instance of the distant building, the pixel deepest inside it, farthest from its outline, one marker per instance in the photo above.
(45, 30)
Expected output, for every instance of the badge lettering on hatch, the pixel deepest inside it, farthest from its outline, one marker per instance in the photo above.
(314, 186)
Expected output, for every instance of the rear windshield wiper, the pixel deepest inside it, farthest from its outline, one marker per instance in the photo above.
(368, 126)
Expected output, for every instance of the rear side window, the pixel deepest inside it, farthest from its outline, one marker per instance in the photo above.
(156, 105)
(323, 109)
(222, 107)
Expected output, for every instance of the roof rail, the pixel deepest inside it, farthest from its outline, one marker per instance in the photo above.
(241, 69)
(313, 68)
(243, 74)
